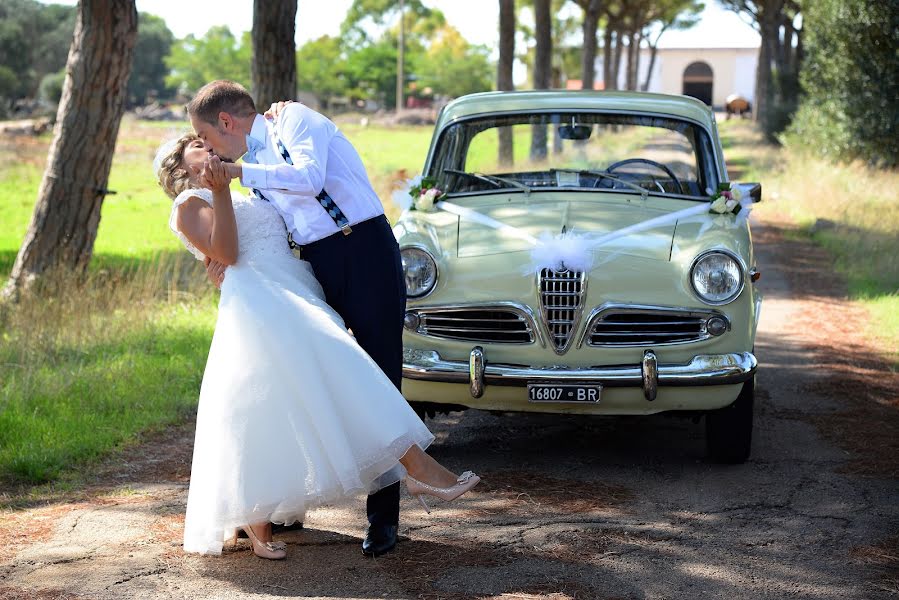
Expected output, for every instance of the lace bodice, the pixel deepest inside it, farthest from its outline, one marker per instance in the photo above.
(260, 229)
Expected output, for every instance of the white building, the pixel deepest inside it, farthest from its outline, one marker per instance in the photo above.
(710, 74)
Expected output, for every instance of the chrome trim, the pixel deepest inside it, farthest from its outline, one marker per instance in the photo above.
(729, 253)
(427, 251)
(597, 313)
(525, 312)
(702, 370)
(476, 365)
(576, 317)
(650, 371)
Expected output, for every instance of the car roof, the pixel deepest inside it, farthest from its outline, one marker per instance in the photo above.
(542, 100)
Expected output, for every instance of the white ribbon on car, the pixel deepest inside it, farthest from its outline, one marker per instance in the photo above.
(575, 251)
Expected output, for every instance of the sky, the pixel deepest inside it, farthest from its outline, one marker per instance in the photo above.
(477, 20)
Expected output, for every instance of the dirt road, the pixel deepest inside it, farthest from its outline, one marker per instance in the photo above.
(570, 508)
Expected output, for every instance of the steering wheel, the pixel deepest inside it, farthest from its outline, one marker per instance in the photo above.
(651, 163)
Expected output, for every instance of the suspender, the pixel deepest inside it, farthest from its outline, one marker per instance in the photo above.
(324, 199)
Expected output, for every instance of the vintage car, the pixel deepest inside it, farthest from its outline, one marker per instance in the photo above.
(657, 311)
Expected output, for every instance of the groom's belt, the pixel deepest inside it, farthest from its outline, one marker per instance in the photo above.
(360, 227)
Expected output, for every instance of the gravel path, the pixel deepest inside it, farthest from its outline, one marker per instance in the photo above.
(570, 508)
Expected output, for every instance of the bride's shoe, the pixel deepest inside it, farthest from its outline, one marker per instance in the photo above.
(465, 482)
(269, 550)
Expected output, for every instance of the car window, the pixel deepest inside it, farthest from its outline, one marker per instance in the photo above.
(580, 151)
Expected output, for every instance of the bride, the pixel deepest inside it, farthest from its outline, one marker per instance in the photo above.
(293, 414)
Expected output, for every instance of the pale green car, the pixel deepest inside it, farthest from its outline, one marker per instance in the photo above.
(659, 319)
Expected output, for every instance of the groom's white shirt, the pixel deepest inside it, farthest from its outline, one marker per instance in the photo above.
(322, 158)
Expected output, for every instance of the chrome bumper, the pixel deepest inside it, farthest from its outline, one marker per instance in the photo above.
(705, 369)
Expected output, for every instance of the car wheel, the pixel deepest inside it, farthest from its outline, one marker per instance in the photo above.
(728, 430)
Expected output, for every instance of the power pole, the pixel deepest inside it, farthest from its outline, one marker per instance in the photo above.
(399, 59)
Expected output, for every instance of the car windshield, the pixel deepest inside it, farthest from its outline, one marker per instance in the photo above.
(575, 151)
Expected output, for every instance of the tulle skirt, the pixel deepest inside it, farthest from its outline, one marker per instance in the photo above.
(293, 414)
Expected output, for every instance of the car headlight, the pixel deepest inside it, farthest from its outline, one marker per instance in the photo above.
(717, 277)
(420, 272)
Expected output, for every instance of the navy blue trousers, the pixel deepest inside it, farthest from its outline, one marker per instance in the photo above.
(362, 277)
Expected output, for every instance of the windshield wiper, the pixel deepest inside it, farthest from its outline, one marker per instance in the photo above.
(512, 182)
(493, 180)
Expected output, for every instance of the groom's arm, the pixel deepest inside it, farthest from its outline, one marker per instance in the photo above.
(307, 135)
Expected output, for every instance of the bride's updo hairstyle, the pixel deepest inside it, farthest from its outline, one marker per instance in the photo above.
(173, 177)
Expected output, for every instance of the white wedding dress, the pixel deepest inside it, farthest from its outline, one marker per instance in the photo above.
(293, 414)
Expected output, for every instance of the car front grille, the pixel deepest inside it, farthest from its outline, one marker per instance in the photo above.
(501, 325)
(646, 327)
(561, 304)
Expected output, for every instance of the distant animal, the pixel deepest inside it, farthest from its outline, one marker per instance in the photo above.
(736, 104)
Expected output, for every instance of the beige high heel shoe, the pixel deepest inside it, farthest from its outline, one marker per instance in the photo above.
(465, 482)
(269, 550)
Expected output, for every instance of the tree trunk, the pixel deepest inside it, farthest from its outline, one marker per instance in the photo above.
(633, 43)
(542, 69)
(504, 72)
(616, 60)
(274, 67)
(588, 55)
(67, 213)
(607, 59)
(653, 51)
(768, 20)
(401, 61)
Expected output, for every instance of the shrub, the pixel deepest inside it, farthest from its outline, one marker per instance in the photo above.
(51, 87)
(850, 77)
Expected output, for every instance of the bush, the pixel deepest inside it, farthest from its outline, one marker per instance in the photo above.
(851, 81)
(51, 87)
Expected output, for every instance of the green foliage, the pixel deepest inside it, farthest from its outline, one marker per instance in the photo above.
(453, 67)
(148, 72)
(217, 55)
(372, 16)
(51, 87)
(371, 72)
(8, 85)
(34, 41)
(851, 81)
(321, 67)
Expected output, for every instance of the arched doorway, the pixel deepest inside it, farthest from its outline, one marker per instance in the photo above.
(698, 80)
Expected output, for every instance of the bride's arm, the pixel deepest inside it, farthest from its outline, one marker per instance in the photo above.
(213, 230)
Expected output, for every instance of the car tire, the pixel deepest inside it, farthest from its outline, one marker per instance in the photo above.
(728, 430)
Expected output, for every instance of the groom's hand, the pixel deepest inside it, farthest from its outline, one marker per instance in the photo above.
(215, 271)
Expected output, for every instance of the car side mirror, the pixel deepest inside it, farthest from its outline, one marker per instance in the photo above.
(754, 190)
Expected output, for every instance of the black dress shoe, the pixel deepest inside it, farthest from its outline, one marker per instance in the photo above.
(276, 528)
(379, 539)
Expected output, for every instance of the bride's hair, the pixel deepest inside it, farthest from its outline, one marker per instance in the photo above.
(173, 177)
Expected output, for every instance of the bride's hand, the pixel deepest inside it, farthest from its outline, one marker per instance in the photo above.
(214, 175)
(275, 109)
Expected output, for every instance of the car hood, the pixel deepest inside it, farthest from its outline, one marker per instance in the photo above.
(478, 238)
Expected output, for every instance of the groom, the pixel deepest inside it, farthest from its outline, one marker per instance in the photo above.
(311, 173)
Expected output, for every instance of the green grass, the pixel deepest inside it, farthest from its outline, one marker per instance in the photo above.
(851, 210)
(121, 353)
(65, 403)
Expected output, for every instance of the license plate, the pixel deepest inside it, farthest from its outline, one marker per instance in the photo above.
(563, 392)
